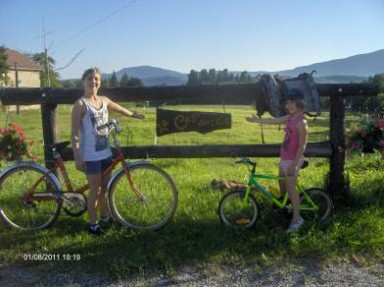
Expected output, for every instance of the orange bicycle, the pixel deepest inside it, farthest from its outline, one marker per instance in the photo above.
(141, 196)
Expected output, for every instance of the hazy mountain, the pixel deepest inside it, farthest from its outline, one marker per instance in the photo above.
(352, 69)
(153, 76)
(363, 65)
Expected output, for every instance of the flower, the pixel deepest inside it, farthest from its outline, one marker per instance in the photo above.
(14, 143)
(366, 136)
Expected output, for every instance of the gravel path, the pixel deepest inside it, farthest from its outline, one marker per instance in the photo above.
(291, 274)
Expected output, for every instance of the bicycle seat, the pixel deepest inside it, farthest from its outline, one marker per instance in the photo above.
(305, 164)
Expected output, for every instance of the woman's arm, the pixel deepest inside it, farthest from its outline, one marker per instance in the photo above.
(117, 108)
(77, 115)
(276, 121)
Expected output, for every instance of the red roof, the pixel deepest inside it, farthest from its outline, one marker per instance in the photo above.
(22, 62)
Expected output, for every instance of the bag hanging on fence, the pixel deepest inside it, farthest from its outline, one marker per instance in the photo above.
(273, 91)
(271, 97)
(307, 86)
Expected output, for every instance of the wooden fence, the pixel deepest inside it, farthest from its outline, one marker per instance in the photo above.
(246, 94)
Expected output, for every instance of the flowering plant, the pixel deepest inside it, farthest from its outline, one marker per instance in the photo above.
(366, 136)
(13, 143)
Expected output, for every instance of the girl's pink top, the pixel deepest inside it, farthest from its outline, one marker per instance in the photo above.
(291, 138)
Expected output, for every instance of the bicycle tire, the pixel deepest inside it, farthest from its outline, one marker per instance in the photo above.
(159, 190)
(322, 200)
(25, 214)
(233, 213)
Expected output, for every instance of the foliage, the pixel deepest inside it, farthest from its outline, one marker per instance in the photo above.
(13, 143)
(213, 77)
(49, 77)
(366, 136)
(3, 66)
(113, 81)
(127, 81)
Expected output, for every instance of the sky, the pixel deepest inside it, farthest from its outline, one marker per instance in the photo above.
(181, 35)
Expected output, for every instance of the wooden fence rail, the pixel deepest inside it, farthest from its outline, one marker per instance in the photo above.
(202, 95)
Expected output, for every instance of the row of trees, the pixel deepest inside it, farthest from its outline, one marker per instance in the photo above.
(112, 81)
(364, 104)
(213, 77)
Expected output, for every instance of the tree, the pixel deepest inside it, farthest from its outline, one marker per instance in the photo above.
(124, 80)
(127, 81)
(194, 78)
(212, 76)
(3, 67)
(113, 81)
(49, 77)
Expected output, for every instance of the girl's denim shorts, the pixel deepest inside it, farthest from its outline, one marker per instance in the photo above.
(98, 166)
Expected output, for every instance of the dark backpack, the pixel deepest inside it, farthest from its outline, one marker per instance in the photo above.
(273, 92)
(306, 84)
(270, 97)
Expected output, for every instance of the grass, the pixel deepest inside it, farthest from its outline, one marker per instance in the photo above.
(195, 237)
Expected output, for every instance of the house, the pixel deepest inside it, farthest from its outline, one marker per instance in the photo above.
(23, 69)
(22, 73)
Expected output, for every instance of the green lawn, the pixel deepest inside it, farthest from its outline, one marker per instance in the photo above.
(195, 236)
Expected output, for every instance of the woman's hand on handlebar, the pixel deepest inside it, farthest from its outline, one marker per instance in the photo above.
(136, 115)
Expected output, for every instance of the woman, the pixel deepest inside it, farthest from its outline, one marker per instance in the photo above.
(90, 146)
(292, 150)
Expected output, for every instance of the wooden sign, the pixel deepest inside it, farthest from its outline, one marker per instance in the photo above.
(169, 121)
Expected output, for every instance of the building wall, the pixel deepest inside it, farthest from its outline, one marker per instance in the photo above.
(27, 79)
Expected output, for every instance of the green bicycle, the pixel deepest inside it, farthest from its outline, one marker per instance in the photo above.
(239, 208)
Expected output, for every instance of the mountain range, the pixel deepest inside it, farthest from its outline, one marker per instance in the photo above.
(356, 69)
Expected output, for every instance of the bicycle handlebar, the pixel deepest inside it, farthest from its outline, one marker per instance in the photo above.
(246, 160)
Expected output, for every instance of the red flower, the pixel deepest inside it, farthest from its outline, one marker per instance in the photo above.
(13, 143)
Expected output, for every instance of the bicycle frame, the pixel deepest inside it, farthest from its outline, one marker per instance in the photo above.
(59, 164)
(252, 182)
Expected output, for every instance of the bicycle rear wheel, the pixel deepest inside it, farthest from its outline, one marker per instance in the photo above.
(155, 204)
(323, 202)
(20, 211)
(234, 212)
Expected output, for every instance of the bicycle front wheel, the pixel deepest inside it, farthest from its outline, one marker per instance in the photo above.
(148, 202)
(234, 211)
(23, 209)
(323, 202)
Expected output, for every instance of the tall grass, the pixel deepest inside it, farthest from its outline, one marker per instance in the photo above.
(195, 236)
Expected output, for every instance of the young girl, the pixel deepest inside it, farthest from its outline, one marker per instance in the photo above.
(90, 146)
(292, 150)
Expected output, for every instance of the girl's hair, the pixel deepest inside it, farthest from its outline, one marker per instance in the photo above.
(90, 71)
(300, 104)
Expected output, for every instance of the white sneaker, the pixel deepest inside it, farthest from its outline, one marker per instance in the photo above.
(295, 225)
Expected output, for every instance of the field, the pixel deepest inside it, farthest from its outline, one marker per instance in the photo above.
(195, 237)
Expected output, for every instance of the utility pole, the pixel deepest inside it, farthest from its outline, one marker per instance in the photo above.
(17, 85)
(46, 67)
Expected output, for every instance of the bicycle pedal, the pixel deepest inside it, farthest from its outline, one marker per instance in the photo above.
(243, 221)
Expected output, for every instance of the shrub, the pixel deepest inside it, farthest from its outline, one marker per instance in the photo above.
(367, 136)
(13, 143)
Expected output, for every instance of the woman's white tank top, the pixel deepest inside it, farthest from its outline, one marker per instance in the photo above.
(94, 144)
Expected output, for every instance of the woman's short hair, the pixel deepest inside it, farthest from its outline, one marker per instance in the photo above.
(90, 71)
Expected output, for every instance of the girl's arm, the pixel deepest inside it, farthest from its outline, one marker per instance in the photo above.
(276, 121)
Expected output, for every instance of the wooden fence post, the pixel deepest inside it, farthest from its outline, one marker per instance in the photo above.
(50, 130)
(337, 184)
